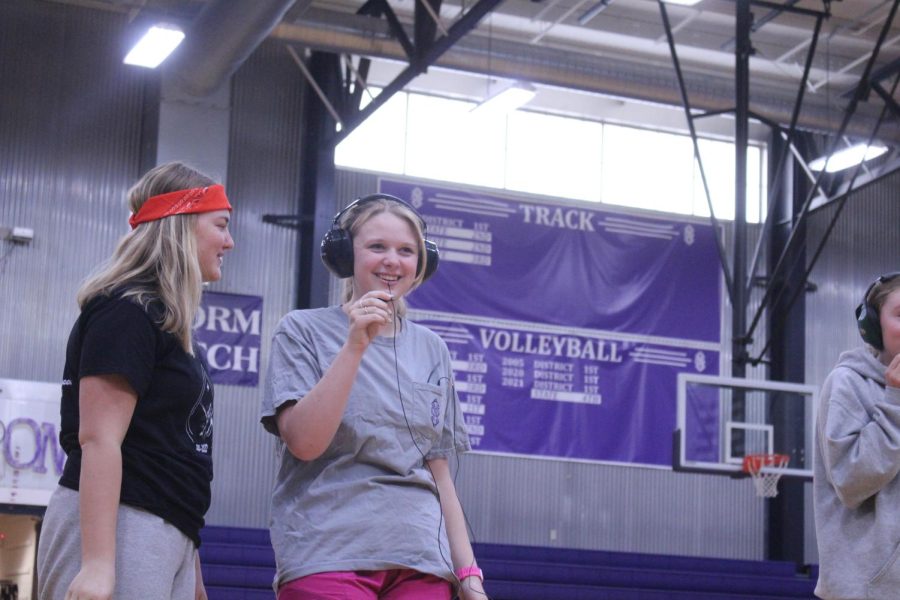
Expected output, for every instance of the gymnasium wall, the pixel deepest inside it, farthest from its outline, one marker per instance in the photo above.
(70, 145)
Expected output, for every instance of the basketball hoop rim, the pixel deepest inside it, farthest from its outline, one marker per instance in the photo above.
(753, 464)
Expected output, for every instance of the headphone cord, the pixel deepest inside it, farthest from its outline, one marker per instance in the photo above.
(468, 526)
(412, 437)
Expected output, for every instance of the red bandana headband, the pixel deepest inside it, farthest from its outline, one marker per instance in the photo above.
(194, 200)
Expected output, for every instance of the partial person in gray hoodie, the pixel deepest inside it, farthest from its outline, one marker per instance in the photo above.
(856, 487)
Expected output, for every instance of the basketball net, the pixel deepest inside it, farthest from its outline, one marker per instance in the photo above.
(765, 481)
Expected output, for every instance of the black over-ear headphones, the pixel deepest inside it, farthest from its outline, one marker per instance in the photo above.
(337, 245)
(867, 318)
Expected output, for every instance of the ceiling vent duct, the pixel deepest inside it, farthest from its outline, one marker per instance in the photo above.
(221, 38)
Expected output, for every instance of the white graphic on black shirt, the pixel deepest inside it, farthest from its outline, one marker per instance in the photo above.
(200, 420)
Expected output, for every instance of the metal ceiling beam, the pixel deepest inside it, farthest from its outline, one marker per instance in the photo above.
(742, 112)
(639, 80)
(593, 11)
(798, 156)
(685, 102)
(743, 50)
(775, 189)
(738, 288)
(427, 22)
(378, 8)
(788, 7)
(841, 201)
(854, 63)
(565, 15)
(323, 97)
(360, 75)
(773, 14)
(861, 92)
(427, 52)
(888, 99)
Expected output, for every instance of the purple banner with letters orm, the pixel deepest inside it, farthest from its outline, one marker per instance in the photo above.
(227, 329)
(567, 325)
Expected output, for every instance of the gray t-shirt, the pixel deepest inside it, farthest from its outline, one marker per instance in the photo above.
(369, 502)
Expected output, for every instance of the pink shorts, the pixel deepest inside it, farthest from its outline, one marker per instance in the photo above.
(393, 584)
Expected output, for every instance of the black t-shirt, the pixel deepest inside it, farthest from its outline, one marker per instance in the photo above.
(167, 450)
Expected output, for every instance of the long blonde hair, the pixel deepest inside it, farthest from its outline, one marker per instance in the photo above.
(355, 218)
(158, 259)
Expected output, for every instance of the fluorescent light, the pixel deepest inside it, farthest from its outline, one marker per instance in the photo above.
(507, 99)
(846, 158)
(682, 2)
(155, 46)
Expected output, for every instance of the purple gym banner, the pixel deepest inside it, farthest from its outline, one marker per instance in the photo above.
(227, 328)
(551, 392)
(568, 325)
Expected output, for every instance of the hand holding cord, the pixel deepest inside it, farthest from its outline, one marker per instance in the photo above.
(368, 316)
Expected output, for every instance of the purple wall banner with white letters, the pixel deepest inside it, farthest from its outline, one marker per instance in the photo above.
(227, 329)
(567, 324)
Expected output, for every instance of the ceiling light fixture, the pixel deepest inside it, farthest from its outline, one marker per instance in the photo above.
(155, 46)
(682, 2)
(846, 158)
(507, 100)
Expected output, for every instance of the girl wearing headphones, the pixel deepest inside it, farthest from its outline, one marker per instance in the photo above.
(363, 403)
(856, 485)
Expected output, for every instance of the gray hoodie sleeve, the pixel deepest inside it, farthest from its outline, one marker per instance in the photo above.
(860, 435)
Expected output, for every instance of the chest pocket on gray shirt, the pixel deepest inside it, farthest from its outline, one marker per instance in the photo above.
(426, 414)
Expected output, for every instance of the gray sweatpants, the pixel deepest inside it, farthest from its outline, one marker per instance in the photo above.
(154, 560)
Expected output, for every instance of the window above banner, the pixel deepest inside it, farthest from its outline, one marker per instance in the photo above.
(442, 139)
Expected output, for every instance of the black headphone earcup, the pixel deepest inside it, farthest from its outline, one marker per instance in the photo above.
(869, 325)
(337, 245)
(337, 252)
(432, 258)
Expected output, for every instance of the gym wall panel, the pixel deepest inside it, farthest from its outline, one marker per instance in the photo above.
(263, 178)
(70, 118)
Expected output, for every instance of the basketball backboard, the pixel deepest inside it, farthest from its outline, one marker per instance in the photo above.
(720, 420)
